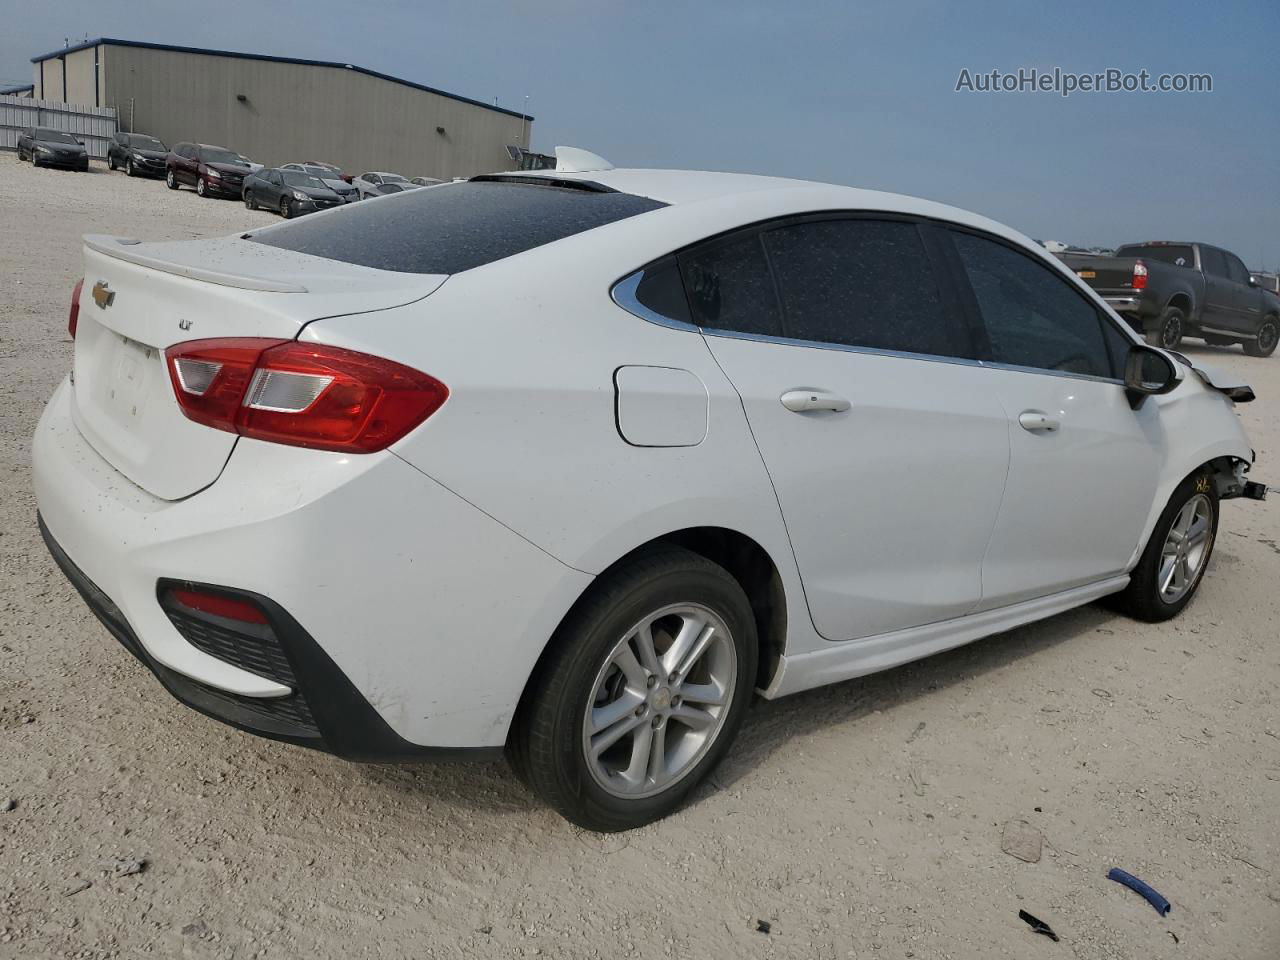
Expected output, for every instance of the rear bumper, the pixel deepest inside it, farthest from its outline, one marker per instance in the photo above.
(391, 596)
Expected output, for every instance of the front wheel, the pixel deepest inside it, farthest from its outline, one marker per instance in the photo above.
(128, 168)
(201, 189)
(249, 203)
(640, 694)
(1168, 333)
(1173, 564)
(286, 208)
(1268, 336)
(111, 162)
(170, 180)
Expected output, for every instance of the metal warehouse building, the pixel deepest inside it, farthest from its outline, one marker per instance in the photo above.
(276, 109)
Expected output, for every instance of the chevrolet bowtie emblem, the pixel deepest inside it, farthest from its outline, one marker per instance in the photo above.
(103, 295)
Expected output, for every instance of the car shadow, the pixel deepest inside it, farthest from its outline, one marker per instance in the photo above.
(770, 725)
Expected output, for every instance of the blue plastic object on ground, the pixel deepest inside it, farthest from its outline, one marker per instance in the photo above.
(1137, 886)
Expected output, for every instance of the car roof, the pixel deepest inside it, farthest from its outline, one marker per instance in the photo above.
(684, 187)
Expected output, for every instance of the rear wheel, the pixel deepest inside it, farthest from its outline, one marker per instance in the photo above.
(286, 208)
(641, 692)
(1268, 336)
(1173, 564)
(1168, 333)
(170, 180)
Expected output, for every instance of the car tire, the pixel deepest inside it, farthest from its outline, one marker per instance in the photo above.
(1168, 558)
(593, 672)
(1268, 336)
(1168, 333)
(111, 162)
(249, 202)
(128, 169)
(170, 180)
(201, 189)
(286, 208)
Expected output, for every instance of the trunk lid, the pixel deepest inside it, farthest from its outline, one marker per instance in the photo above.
(140, 298)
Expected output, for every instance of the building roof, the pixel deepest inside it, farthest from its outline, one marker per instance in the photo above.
(260, 56)
(20, 88)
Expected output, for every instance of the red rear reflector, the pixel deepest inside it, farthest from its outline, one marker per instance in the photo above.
(306, 395)
(73, 318)
(1139, 276)
(219, 605)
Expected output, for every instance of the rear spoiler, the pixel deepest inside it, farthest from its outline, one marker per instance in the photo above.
(125, 248)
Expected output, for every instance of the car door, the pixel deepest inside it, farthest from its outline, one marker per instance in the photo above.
(1246, 298)
(1083, 465)
(856, 374)
(1219, 297)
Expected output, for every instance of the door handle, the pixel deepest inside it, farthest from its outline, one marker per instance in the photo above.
(1038, 422)
(805, 401)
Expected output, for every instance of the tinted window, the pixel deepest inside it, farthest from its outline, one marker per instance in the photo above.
(54, 136)
(729, 286)
(862, 283)
(1178, 254)
(454, 227)
(219, 155)
(1212, 261)
(1236, 270)
(661, 290)
(1033, 317)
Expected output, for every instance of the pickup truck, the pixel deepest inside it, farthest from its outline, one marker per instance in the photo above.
(1167, 291)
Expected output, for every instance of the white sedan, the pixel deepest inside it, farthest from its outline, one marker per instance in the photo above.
(571, 464)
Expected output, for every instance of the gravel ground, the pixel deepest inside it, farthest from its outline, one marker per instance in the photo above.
(862, 820)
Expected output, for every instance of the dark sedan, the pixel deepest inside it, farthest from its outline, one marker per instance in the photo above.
(289, 192)
(137, 154)
(52, 148)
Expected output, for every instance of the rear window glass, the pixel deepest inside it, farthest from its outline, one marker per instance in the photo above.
(1178, 254)
(453, 227)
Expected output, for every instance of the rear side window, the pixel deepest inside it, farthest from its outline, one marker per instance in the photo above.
(1212, 260)
(1033, 317)
(729, 286)
(863, 283)
(1178, 254)
(455, 227)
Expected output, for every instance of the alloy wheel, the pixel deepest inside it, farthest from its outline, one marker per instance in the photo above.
(659, 701)
(1171, 333)
(1267, 336)
(1186, 548)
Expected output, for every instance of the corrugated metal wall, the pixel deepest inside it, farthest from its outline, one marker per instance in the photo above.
(93, 125)
(293, 112)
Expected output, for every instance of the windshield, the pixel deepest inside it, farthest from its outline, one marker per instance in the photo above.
(455, 226)
(1178, 254)
(139, 142)
(295, 179)
(218, 155)
(55, 136)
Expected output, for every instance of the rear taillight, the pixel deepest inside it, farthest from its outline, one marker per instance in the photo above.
(1139, 276)
(73, 318)
(306, 395)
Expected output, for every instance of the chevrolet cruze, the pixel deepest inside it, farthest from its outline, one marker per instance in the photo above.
(570, 464)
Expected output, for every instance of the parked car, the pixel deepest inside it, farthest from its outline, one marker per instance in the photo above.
(137, 154)
(425, 181)
(1268, 281)
(382, 491)
(368, 183)
(289, 192)
(52, 148)
(330, 176)
(337, 171)
(1170, 290)
(213, 171)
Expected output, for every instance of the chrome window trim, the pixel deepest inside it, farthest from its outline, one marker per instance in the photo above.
(623, 293)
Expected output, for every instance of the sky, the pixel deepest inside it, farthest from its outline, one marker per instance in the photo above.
(861, 93)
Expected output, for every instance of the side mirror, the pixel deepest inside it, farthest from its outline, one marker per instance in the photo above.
(1253, 281)
(1149, 371)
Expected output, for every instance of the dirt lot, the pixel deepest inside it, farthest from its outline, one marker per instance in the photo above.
(863, 820)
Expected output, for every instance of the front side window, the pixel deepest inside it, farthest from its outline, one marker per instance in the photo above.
(1236, 269)
(729, 286)
(863, 283)
(1033, 317)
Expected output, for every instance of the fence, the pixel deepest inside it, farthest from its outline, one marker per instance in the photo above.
(93, 125)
